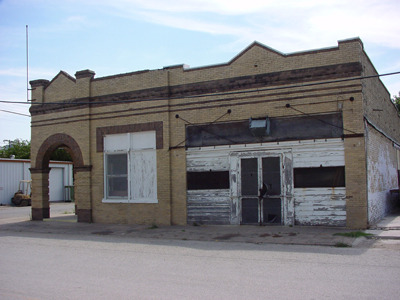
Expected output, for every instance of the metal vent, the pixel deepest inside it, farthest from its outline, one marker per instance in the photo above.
(259, 127)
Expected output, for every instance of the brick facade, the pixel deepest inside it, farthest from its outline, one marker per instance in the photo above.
(77, 112)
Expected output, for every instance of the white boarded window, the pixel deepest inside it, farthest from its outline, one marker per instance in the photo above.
(143, 140)
(143, 179)
(130, 167)
(116, 142)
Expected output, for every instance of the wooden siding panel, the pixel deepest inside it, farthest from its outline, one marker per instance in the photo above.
(320, 206)
(323, 206)
(208, 207)
(207, 161)
(317, 155)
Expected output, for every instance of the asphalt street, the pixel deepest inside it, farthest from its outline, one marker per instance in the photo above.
(62, 259)
(51, 266)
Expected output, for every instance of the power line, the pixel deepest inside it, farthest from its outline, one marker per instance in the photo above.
(14, 102)
(316, 118)
(212, 133)
(71, 102)
(13, 112)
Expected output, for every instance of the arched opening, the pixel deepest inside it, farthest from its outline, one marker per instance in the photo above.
(40, 178)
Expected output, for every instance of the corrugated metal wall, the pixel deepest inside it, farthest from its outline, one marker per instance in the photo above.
(12, 171)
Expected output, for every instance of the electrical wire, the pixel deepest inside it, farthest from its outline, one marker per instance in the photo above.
(12, 112)
(323, 121)
(212, 133)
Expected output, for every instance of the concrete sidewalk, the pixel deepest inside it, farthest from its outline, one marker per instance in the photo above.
(388, 228)
(63, 222)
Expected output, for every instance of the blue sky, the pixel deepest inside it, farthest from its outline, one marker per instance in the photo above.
(119, 36)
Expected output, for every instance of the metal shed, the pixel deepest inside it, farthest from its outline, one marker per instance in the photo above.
(14, 170)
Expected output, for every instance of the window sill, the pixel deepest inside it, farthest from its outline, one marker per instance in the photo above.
(136, 201)
(115, 200)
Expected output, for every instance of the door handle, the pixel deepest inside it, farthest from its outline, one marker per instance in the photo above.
(263, 190)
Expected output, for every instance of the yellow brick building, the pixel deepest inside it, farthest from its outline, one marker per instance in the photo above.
(308, 138)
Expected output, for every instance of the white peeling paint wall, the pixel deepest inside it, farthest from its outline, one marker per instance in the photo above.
(382, 175)
(308, 206)
(320, 206)
(208, 206)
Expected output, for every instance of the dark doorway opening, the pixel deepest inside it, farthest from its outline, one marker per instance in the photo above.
(261, 190)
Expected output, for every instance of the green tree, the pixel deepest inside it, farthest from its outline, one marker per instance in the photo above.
(18, 147)
(396, 101)
(61, 154)
(22, 149)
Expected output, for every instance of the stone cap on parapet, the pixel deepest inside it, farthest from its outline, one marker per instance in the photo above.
(39, 82)
(84, 74)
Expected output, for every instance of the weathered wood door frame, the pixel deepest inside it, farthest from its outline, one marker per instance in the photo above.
(286, 178)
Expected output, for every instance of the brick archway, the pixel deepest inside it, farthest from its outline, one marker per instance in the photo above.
(52, 143)
(40, 177)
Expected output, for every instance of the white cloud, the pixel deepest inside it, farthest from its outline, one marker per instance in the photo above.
(33, 72)
(14, 72)
(223, 7)
(375, 22)
(292, 23)
(287, 26)
(193, 24)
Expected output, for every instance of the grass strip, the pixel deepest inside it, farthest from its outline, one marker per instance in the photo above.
(354, 234)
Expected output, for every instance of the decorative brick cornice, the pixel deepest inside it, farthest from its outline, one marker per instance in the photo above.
(265, 80)
(102, 131)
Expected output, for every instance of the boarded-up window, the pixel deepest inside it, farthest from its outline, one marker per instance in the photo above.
(319, 177)
(130, 167)
(211, 180)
